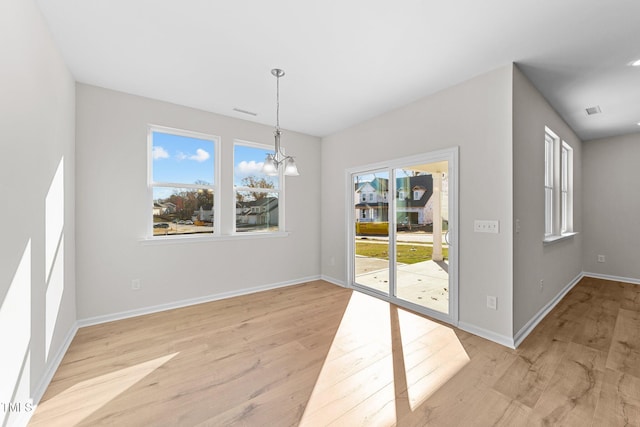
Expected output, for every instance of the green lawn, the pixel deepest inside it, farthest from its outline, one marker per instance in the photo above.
(406, 253)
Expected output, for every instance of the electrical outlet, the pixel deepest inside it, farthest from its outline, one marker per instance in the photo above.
(601, 258)
(541, 285)
(492, 302)
(135, 285)
(486, 226)
(517, 226)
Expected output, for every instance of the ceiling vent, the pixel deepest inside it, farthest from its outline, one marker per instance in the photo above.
(594, 110)
(239, 110)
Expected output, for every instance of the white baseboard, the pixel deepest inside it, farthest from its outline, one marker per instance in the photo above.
(533, 322)
(333, 280)
(613, 278)
(487, 334)
(188, 302)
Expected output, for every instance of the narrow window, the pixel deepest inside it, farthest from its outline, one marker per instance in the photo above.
(548, 183)
(558, 187)
(565, 188)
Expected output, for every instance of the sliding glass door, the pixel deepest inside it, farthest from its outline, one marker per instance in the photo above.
(403, 233)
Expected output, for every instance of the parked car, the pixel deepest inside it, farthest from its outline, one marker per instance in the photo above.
(188, 222)
(161, 225)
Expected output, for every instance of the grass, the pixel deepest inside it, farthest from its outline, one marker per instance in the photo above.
(405, 253)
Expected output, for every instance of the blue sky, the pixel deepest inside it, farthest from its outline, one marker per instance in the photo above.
(248, 161)
(181, 159)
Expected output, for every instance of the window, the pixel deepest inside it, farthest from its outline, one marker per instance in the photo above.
(257, 196)
(182, 170)
(549, 143)
(558, 187)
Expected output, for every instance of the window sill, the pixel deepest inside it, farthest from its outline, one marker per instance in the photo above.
(172, 240)
(554, 239)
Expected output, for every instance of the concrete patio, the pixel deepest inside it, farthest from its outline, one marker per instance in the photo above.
(425, 283)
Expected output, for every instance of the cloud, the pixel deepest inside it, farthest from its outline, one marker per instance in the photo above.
(159, 153)
(245, 168)
(200, 156)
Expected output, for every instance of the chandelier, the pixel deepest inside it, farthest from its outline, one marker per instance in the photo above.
(274, 161)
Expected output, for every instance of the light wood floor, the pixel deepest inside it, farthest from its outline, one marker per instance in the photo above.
(316, 355)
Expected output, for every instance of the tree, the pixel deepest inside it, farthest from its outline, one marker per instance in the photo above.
(254, 182)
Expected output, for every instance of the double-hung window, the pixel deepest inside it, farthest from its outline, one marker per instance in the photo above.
(258, 196)
(565, 207)
(549, 144)
(182, 182)
(558, 187)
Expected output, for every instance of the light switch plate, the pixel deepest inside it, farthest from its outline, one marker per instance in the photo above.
(486, 226)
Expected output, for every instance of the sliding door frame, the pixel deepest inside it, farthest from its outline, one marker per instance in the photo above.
(451, 156)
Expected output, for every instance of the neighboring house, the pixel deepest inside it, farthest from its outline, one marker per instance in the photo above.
(163, 208)
(257, 212)
(414, 204)
(413, 200)
(373, 201)
(205, 213)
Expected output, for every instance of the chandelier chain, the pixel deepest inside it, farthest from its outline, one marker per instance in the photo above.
(277, 102)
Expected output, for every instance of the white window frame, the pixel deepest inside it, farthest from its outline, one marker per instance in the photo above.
(215, 187)
(279, 190)
(558, 188)
(549, 175)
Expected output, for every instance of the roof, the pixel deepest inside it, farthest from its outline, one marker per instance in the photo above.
(271, 202)
(424, 182)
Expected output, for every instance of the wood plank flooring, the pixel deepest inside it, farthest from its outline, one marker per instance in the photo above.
(318, 355)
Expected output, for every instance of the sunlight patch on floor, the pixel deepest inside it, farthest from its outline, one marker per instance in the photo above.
(430, 360)
(95, 393)
(383, 361)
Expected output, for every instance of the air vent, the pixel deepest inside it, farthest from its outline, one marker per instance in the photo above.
(594, 110)
(239, 110)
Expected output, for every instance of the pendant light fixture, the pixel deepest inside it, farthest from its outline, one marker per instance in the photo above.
(274, 161)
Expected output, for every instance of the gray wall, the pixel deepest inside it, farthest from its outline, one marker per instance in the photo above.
(476, 116)
(558, 263)
(37, 279)
(112, 211)
(612, 206)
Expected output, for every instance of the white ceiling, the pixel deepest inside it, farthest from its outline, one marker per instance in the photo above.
(350, 60)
